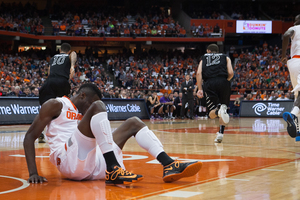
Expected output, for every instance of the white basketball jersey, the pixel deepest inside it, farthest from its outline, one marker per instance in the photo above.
(295, 46)
(60, 129)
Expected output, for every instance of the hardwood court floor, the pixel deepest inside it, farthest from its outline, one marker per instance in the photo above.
(257, 160)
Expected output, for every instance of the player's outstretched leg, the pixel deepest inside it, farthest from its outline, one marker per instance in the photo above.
(292, 123)
(172, 170)
(148, 141)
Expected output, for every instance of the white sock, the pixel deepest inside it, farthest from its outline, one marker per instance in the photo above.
(295, 110)
(148, 141)
(101, 129)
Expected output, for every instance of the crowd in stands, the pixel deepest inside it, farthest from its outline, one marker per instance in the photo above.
(146, 23)
(259, 74)
(206, 31)
(20, 18)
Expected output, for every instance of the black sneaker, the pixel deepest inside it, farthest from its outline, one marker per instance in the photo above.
(292, 123)
(121, 176)
(42, 138)
(177, 170)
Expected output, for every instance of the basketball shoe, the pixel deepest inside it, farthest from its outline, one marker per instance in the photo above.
(219, 138)
(222, 113)
(177, 170)
(42, 138)
(292, 124)
(121, 176)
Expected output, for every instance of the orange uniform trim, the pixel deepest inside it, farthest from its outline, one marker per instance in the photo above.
(296, 56)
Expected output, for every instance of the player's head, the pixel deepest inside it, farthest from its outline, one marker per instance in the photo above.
(65, 48)
(86, 95)
(90, 90)
(212, 48)
(297, 20)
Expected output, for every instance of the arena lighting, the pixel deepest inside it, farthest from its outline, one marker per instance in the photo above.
(57, 41)
(148, 42)
(17, 38)
(41, 41)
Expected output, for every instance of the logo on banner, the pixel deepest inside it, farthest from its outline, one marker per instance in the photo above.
(272, 108)
(259, 107)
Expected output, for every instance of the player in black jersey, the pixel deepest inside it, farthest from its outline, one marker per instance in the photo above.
(61, 69)
(215, 70)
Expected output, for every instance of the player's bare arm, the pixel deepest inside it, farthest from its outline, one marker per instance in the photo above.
(285, 41)
(50, 110)
(199, 80)
(229, 69)
(73, 58)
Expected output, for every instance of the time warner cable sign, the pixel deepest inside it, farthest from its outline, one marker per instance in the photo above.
(125, 108)
(18, 110)
(265, 108)
(24, 110)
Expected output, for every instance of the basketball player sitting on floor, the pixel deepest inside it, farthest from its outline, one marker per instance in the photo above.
(87, 150)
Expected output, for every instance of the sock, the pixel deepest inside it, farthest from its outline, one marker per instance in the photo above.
(221, 129)
(164, 159)
(148, 141)
(110, 160)
(101, 129)
(295, 110)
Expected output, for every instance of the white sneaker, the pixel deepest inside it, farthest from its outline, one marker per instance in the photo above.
(219, 137)
(222, 113)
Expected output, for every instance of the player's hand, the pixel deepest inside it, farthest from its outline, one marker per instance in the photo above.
(283, 59)
(36, 179)
(200, 94)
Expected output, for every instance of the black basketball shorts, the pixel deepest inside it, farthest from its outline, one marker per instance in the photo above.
(217, 91)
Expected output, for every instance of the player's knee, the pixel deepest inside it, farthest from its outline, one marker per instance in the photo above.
(135, 123)
(98, 106)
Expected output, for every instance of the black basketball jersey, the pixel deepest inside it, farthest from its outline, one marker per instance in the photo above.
(214, 65)
(60, 65)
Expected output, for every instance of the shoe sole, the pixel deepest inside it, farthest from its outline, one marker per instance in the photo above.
(190, 170)
(224, 115)
(218, 141)
(124, 182)
(291, 127)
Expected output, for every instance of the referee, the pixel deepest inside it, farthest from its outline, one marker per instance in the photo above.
(215, 70)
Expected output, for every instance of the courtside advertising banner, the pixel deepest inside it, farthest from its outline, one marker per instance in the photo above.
(18, 110)
(265, 108)
(24, 110)
(256, 27)
(120, 109)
